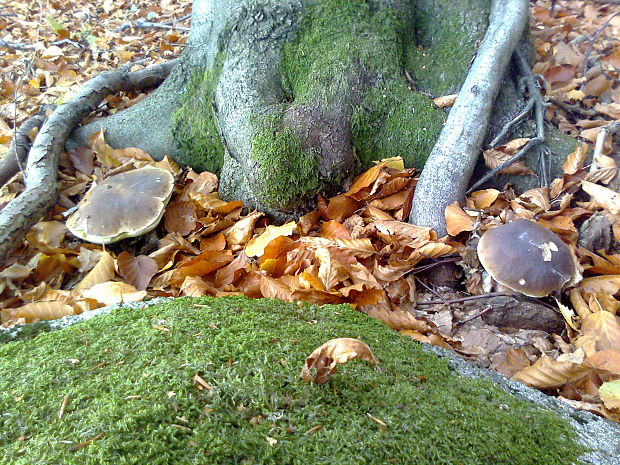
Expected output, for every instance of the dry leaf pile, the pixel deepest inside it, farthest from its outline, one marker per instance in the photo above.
(354, 248)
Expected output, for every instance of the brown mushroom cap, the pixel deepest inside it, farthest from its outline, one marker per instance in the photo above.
(124, 205)
(526, 257)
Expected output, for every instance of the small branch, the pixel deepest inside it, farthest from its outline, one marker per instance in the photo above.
(573, 108)
(19, 215)
(143, 24)
(591, 43)
(517, 119)
(15, 159)
(450, 165)
(17, 46)
(464, 299)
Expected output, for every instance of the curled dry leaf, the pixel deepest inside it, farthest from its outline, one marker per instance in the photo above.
(603, 196)
(445, 101)
(323, 362)
(574, 161)
(496, 156)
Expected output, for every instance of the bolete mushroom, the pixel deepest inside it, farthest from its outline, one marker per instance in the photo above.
(526, 257)
(125, 205)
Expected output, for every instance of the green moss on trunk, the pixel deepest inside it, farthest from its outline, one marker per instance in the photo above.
(129, 376)
(286, 171)
(353, 50)
(195, 130)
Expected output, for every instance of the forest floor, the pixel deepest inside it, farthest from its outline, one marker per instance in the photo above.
(354, 248)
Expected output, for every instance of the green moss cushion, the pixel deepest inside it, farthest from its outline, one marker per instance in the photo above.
(129, 377)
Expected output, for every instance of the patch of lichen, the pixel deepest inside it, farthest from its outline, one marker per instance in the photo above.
(130, 379)
(446, 38)
(286, 171)
(355, 48)
(195, 130)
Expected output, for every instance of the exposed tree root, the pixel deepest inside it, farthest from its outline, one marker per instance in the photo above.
(40, 174)
(15, 159)
(536, 102)
(447, 172)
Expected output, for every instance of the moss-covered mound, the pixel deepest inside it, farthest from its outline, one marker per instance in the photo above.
(129, 377)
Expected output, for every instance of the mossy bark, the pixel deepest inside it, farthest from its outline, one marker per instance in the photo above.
(285, 99)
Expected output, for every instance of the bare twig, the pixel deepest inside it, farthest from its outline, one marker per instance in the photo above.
(464, 299)
(573, 108)
(15, 159)
(474, 316)
(17, 46)
(143, 24)
(591, 44)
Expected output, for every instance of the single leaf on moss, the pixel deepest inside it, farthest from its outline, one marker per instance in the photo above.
(323, 361)
(137, 271)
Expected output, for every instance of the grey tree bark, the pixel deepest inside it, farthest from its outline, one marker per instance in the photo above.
(277, 139)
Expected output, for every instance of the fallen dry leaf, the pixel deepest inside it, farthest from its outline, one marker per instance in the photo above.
(323, 361)
(137, 271)
(548, 373)
(256, 246)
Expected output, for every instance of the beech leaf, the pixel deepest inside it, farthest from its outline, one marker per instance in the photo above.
(323, 361)
(137, 271)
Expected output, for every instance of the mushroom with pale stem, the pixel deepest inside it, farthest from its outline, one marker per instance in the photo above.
(125, 205)
(526, 257)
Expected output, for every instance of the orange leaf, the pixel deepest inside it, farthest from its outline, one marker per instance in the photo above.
(334, 230)
(574, 161)
(205, 263)
(457, 220)
(484, 198)
(323, 361)
(256, 246)
(180, 217)
(604, 327)
(102, 272)
(137, 271)
(548, 373)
